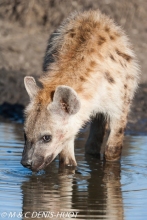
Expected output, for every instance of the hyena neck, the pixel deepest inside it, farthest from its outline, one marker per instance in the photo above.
(53, 79)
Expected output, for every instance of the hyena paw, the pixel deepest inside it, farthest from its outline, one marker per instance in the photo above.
(113, 153)
(65, 161)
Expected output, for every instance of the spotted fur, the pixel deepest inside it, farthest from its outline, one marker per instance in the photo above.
(92, 57)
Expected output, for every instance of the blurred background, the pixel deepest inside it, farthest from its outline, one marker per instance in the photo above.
(25, 26)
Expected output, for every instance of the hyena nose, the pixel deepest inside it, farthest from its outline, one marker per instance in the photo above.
(27, 163)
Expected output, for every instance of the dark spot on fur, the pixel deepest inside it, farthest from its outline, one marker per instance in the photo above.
(107, 29)
(123, 55)
(112, 37)
(101, 40)
(121, 130)
(92, 63)
(82, 39)
(82, 78)
(109, 78)
(71, 32)
(92, 50)
(72, 35)
(112, 57)
(125, 86)
(87, 73)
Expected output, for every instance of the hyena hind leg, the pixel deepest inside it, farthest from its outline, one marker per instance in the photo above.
(115, 141)
(96, 135)
(67, 155)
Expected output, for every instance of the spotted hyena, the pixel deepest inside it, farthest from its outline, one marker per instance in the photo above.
(90, 73)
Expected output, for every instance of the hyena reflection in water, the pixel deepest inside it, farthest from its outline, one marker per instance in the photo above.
(90, 72)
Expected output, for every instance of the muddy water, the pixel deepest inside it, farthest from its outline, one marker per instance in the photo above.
(95, 190)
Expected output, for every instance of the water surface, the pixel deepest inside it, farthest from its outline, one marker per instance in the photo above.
(95, 190)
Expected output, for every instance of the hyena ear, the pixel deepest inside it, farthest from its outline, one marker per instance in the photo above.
(65, 101)
(31, 87)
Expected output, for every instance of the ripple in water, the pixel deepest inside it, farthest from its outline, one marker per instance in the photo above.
(94, 190)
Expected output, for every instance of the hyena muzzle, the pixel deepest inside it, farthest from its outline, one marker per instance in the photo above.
(90, 73)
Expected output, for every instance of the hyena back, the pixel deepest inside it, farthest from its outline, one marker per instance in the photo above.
(90, 73)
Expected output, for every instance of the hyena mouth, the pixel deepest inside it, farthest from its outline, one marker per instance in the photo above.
(38, 164)
(44, 164)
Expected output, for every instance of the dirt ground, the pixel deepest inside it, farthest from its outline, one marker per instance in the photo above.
(25, 27)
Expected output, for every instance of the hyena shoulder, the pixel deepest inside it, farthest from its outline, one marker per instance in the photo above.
(89, 48)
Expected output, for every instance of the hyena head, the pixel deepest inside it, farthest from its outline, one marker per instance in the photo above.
(49, 123)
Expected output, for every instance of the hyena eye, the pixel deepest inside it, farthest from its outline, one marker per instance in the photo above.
(47, 138)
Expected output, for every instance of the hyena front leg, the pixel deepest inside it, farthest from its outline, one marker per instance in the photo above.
(115, 141)
(96, 135)
(67, 155)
